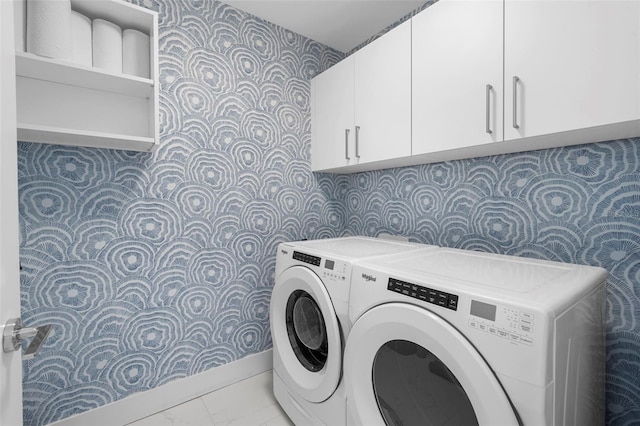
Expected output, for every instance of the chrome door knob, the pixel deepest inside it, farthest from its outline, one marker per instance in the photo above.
(14, 333)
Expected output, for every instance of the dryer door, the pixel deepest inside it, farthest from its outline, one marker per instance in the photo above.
(307, 343)
(406, 366)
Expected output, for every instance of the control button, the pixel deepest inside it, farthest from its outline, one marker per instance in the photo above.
(526, 315)
(482, 327)
(473, 324)
(503, 334)
(493, 330)
(526, 322)
(453, 302)
(526, 340)
(514, 337)
(525, 328)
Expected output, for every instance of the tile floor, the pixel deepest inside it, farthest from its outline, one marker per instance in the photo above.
(246, 403)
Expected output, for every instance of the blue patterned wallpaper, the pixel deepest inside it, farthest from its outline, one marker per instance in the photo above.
(158, 266)
(576, 204)
(154, 267)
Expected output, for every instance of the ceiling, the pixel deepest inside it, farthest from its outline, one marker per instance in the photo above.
(341, 24)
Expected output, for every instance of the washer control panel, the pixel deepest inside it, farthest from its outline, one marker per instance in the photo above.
(334, 270)
(505, 322)
(329, 269)
(306, 258)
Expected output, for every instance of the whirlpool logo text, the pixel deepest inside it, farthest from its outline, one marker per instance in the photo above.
(369, 278)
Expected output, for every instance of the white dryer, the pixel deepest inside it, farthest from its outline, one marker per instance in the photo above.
(454, 337)
(309, 323)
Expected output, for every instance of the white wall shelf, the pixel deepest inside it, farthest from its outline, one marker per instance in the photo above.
(64, 103)
(40, 68)
(74, 137)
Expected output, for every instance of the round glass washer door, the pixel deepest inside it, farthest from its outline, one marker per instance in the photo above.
(306, 334)
(307, 331)
(387, 342)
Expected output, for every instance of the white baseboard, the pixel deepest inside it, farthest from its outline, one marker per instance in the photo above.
(143, 404)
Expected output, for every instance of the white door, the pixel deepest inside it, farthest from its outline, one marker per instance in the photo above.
(405, 365)
(332, 132)
(383, 97)
(576, 65)
(11, 363)
(457, 75)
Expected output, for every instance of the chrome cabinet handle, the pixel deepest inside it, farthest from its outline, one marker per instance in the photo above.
(14, 333)
(346, 144)
(357, 141)
(488, 109)
(515, 102)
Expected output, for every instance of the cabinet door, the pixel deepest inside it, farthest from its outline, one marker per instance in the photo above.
(332, 137)
(383, 97)
(577, 64)
(457, 52)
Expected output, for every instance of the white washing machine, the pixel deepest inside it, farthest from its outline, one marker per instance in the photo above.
(309, 323)
(454, 337)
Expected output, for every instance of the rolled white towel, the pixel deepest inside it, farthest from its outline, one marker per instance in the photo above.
(135, 53)
(49, 28)
(20, 24)
(107, 46)
(81, 39)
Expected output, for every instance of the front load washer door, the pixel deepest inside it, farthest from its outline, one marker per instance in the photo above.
(306, 334)
(405, 365)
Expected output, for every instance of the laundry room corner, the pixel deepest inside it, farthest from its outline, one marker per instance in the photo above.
(154, 267)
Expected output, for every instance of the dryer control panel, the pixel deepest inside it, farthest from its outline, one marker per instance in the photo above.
(506, 322)
(435, 297)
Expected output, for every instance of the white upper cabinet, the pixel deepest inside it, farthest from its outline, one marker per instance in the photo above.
(361, 107)
(64, 103)
(571, 75)
(487, 77)
(457, 75)
(383, 97)
(332, 117)
(576, 65)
